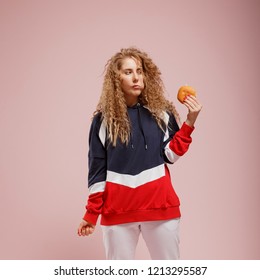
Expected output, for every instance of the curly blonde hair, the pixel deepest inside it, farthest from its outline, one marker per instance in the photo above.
(112, 104)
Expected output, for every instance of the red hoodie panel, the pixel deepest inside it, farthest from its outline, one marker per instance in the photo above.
(155, 200)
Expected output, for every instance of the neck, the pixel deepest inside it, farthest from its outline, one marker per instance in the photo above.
(131, 101)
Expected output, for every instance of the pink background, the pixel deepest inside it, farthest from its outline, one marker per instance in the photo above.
(52, 58)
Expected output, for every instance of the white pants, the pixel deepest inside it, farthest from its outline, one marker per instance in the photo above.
(161, 238)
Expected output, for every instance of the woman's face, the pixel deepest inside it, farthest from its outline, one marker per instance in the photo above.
(132, 80)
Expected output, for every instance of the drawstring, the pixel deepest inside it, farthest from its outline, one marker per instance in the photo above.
(131, 141)
(141, 125)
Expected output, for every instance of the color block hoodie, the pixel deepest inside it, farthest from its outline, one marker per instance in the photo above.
(131, 183)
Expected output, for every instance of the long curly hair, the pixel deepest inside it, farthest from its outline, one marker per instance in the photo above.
(112, 104)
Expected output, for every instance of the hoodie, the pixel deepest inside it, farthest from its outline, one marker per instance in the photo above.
(131, 182)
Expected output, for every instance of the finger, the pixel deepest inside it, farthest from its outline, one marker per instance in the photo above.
(193, 105)
(90, 230)
(194, 99)
(86, 231)
(83, 231)
(80, 230)
(191, 99)
(189, 104)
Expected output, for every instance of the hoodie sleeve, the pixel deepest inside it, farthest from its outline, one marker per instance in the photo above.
(177, 140)
(97, 170)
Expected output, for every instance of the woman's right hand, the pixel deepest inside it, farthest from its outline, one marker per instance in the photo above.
(85, 228)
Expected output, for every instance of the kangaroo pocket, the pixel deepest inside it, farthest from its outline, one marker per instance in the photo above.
(154, 195)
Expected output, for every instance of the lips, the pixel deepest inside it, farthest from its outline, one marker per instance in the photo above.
(136, 87)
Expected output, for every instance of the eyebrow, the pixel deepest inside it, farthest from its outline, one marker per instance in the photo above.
(138, 68)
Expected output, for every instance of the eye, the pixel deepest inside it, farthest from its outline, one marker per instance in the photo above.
(128, 72)
(139, 71)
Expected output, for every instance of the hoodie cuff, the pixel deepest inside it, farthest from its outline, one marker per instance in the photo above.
(91, 218)
(186, 129)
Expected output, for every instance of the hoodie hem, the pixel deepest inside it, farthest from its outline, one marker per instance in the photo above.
(140, 216)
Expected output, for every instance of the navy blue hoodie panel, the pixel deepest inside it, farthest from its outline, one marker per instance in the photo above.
(97, 154)
(134, 158)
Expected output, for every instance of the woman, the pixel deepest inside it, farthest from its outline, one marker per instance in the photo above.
(134, 134)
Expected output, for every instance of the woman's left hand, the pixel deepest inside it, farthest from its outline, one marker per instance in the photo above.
(194, 108)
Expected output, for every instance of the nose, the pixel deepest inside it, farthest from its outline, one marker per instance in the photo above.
(135, 77)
